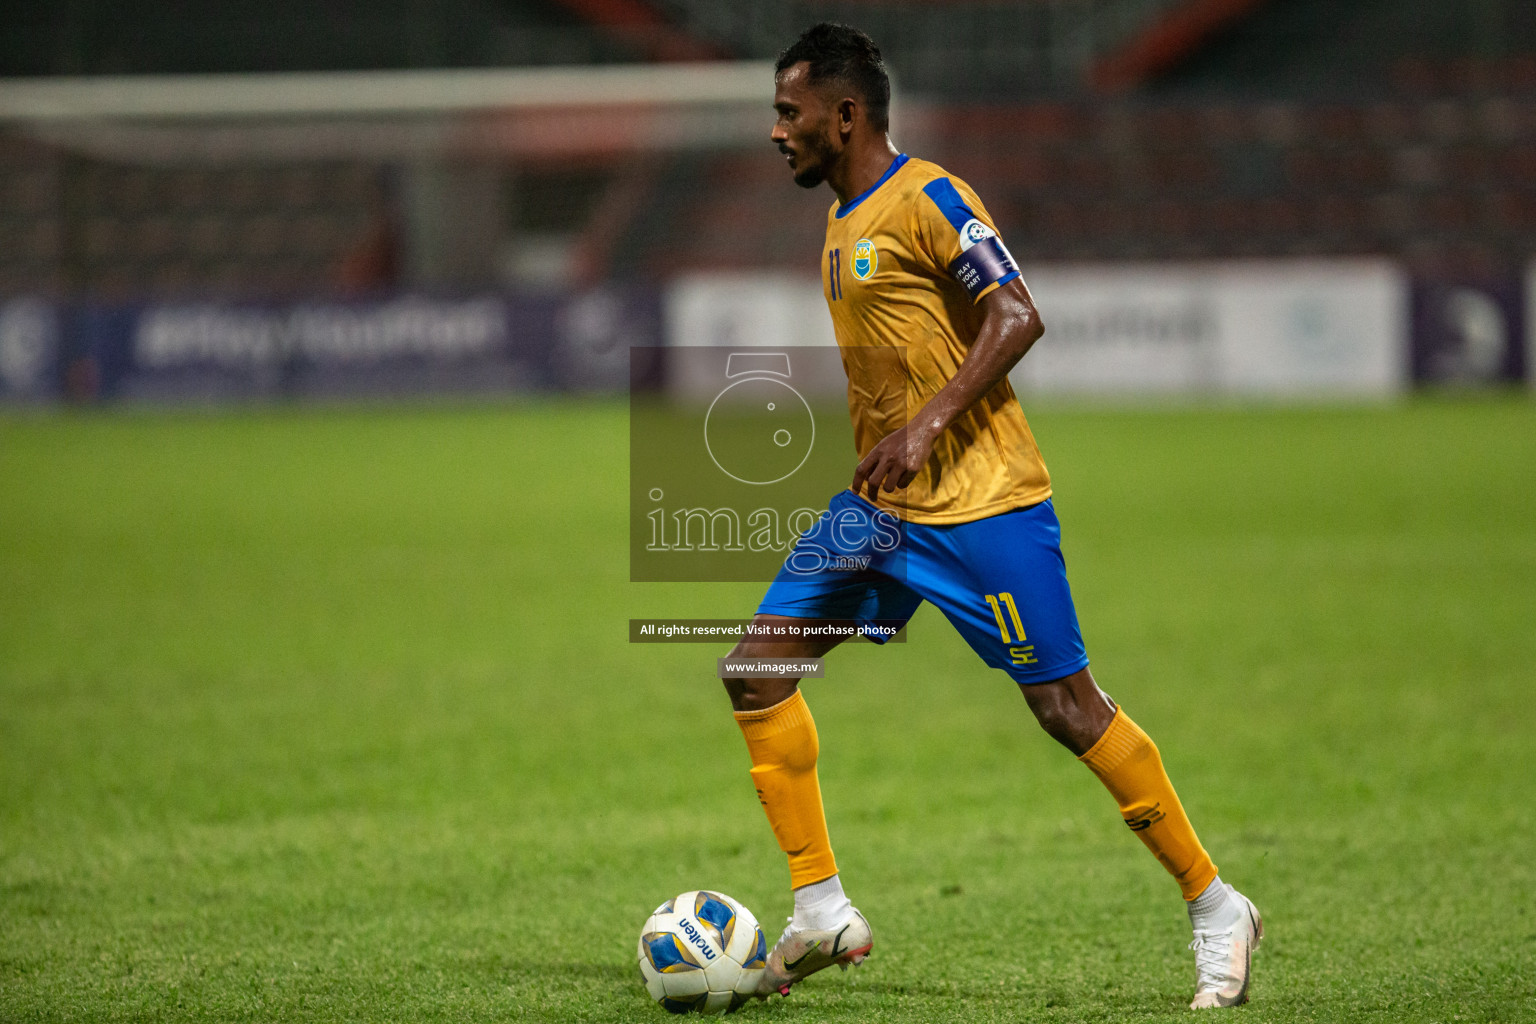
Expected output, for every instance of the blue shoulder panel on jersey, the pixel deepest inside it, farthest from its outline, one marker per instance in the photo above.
(847, 208)
(944, 195)
(983, 260)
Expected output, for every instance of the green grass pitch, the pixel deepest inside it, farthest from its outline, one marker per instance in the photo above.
(330, 715)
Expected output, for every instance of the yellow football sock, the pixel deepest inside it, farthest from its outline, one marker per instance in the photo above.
(783, 745)
(1126, 760)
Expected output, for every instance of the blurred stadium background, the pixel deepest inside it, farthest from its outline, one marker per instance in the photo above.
(319, 706)
(213, 201)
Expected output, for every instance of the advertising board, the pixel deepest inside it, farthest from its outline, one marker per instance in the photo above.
(1255, 328)
(29, 350)
(1271, 328)
(1469, 332)
(405, 345)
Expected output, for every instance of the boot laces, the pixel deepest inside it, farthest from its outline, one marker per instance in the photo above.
(1213, 951)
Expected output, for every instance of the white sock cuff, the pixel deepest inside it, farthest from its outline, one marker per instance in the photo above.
(1213, 907)
(821, 905)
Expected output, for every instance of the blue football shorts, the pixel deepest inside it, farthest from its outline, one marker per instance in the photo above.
(1001, 581)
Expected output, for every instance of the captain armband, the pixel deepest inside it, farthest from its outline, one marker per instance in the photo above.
(983, 261)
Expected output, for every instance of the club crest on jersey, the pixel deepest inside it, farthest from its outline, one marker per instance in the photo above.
(973, 231)
(865, 259)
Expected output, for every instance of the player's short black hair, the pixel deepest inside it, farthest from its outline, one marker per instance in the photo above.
(838, 52)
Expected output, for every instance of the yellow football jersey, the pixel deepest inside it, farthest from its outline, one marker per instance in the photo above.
(905, 265)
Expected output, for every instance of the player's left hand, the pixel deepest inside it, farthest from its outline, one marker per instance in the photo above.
(894, 462)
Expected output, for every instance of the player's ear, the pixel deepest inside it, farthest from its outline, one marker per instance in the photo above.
(845, 114)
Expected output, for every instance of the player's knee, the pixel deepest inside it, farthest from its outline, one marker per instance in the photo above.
(1053, 718)
(1064, 722)
(755, 694)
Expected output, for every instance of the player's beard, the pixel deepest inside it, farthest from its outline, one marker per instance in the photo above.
(816, 156)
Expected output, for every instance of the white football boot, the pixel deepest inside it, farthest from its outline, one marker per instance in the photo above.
(801, 952)
(1224, 957)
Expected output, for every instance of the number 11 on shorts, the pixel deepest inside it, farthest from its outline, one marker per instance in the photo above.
(1023, 655)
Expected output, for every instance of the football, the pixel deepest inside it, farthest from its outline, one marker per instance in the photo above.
(701, 952)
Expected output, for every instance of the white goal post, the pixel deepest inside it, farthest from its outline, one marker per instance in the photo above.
(555, 111)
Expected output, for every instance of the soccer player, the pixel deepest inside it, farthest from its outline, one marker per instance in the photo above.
(913, 265)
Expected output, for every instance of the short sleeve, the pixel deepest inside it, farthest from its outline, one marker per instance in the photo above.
(960, 239)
